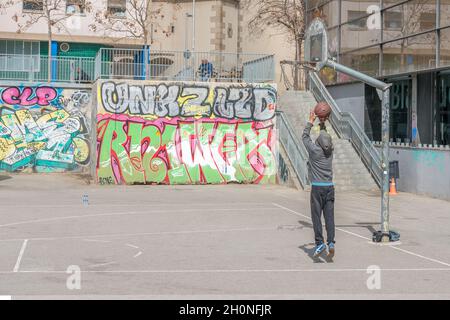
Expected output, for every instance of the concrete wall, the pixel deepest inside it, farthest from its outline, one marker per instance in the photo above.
(185, 133)
(423, 171)
(350, 98)
(44, 128)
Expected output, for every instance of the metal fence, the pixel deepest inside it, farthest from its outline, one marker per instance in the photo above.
(35, 68)
(142, 64)
(347, 127)
(139, 64)
(295, 150)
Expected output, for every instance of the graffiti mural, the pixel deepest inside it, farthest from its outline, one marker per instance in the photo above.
(185, 133)
(44, 129)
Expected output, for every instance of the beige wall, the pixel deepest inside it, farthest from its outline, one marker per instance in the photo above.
(213, 19)
(269, 41)
(77, 28)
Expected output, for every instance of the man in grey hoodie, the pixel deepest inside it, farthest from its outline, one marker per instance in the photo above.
(320, 167)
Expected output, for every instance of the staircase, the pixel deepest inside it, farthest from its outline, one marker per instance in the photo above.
(350, 173)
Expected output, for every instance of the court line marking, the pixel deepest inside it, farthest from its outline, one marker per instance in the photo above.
(124, 214)
(420, 256)
(95, 240)
(19, 258)
(121, 235)
(360, 236)
(101, 264)
(109, 205)
(132, 246)
(235, 271)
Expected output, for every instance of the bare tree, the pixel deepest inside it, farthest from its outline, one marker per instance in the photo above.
(138, 20)
(412, 20)
(51, 12)
(288, 16)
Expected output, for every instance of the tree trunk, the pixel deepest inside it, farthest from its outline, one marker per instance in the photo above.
(298, 57)
(299, 71)
(296, 67)
(49, 64)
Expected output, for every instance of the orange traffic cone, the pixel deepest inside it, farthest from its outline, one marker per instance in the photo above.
(393, 188)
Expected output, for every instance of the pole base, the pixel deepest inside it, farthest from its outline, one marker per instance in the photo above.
(385, 237)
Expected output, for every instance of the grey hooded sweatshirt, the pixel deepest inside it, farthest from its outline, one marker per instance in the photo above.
(320, 163)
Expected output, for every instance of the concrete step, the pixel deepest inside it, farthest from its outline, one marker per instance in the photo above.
(349, 172)
(352, 176)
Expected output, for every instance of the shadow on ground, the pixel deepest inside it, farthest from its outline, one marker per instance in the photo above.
(4, 177)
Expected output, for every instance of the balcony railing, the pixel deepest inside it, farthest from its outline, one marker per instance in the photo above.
(183, 65)
(35, 68)
(138, 64)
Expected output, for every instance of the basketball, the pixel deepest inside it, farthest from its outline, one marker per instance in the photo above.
(322, 111)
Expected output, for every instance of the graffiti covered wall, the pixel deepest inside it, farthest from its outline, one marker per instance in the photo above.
(44, 129)
(185, 133)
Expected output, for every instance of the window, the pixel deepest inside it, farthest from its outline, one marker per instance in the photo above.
(372, 110)
(365, 60)
(230, 30)
(358, 24)
(409, 18)
(33, 5)
(427, 20)
(444, 58)
(354, 15)
(117, 8)
(353, 38)
(393, 20)
(19, 55)
(410, 54)
(390, 3)
(75, 7)
(326, 11)
(399, 115)
(443, 110)
(445, 13)
(400, 108)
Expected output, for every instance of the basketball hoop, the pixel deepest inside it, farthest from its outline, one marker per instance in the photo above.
(316, 44)
(316, 54)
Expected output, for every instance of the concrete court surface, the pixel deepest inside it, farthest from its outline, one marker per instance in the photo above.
(210, 242)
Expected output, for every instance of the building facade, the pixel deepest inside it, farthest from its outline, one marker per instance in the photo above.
(406, 43)
(220, 27)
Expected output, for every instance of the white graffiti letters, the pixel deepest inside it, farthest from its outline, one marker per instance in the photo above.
(173, 100)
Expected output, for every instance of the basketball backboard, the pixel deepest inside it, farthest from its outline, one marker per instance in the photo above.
(316, 42)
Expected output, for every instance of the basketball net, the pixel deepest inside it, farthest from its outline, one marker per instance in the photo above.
(289, 68)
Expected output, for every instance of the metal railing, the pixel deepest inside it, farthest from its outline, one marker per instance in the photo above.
(142, 64)
(35, 68)
(295, 149)
(347, 127)
(139, 64)
(258, 69)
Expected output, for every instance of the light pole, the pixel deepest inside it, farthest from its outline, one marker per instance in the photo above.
(186, 29)
(193, 26)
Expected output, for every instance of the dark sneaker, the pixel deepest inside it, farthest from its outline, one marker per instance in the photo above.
(319, 249)
(331, 250)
